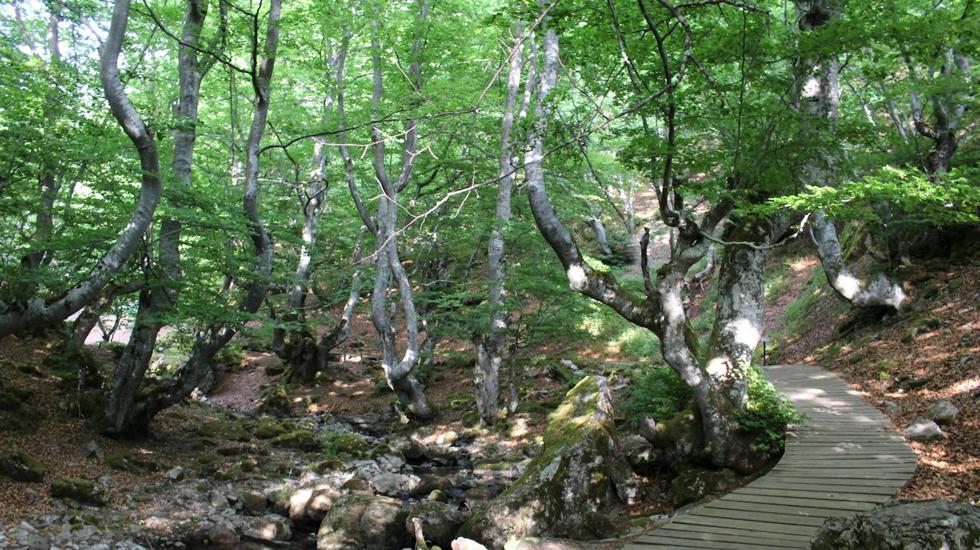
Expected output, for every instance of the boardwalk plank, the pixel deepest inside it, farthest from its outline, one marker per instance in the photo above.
(845, 458)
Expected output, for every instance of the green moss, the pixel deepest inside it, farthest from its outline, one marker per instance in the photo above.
(78, 489)
(127, 462)
(268, 428)
(225, 429)
(228, 474)
(22, 467)
(303, 440)
(347, 446)
(276, 401)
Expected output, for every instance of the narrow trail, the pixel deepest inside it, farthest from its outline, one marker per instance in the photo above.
(845, 458)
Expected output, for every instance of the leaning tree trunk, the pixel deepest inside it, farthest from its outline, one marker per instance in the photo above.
(719, 395)
(819, 103)
(491, 345)
(38, 313)
(128, 412)
(158, 299)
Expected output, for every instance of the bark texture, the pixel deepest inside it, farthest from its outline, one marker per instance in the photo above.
(490, 346)
(159, 298)
(127, 412)
(398, 371)
(39, 312)
(819, 104)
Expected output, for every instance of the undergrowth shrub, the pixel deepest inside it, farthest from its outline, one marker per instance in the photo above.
(656, 393)
(768, 412)
(660, 393)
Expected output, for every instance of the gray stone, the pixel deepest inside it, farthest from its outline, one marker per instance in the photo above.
(255, 503)
(942, 412)
(392, 485)
(570, 485)
(92, 450)
(361, 522)
(175, 474)
(217, 500)
(638, 451)
(440, 522)
(696, 483)
(466, 544)
(270, 528)
(904, 525)
(890, 407)
(648, 429)
(923, 430)
(308, 506)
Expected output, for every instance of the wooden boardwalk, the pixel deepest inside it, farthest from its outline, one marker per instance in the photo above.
(846, 458)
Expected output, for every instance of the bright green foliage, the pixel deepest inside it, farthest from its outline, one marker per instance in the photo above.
(948, 198)
(658, 393)
(768, 412)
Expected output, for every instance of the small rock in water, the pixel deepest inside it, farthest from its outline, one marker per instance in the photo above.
(942, 412)
(466, 544)
(923, 430)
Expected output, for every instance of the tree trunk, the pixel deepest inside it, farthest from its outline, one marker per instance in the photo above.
(156, 301)
(398, 372)
(127, 413)
(600, 232)
(490, 346)
(819, 103)
(37, 313)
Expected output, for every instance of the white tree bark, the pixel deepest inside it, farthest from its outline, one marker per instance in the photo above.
(39, 312)
(126, 414)
(820, 102)
(398, 371)
(491, 345)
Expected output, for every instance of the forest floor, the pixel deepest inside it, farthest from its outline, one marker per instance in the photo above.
(901, 363)
(933, 342)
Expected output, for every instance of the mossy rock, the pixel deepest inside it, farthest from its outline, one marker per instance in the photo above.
(348, 446)
(303, 440)
(267, 428)
(440, 522)
(276, 402)
(79, 490)
(228, 474)
(22, 467)
(16, 412)
(568, 486)
(364, 521)
(224, 429)
(325, 466)
(696, 483)
(128, 462)
(922, 325)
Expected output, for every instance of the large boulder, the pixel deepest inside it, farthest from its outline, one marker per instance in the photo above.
(904, 525)
(573, 480)
(364, 522)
